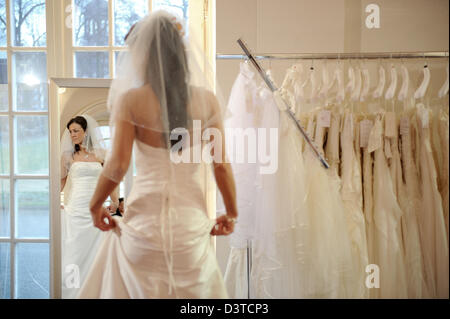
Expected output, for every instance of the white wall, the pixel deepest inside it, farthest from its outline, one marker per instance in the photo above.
(328, 26)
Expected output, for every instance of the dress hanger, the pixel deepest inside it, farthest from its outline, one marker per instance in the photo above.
(325, 82)
(405, 83)
(390, 92)
(421, 90)
(381, 82)
(403, 94)
(444, 89)
(340, 82)
(357, 90)
(366, 83)
(350, 88)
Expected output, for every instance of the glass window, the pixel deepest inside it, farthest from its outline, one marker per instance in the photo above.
(126, 13)
(32, 207)
(4, 208)
(32, 271)
(3, 81)
(90, 23)
(31, 156)
(5, 262)
(28, 27)
(30, 81)
(177, 7)
(4, 145)
(91, 64)
(2, 23)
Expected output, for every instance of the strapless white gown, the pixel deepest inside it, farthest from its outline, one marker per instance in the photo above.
(162, 246)
(81, 239)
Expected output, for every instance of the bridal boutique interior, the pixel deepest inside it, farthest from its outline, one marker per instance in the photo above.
(366, 80)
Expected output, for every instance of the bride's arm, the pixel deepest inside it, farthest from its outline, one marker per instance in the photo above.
(63, 183)
(114, 170)
(225, 182)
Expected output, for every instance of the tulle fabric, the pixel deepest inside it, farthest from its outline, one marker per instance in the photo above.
(253, 108)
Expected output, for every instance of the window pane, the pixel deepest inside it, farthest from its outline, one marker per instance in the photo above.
(30, 88)
(126, 13)
(92, 65)
(3, 80)
(4, 209)
(178, 7)
(3, 23)
(32, 207)
(90, 23)
(4, 145)
(31, 135)
(29, 23)
(116, 61)
(5, 273)
(32, 271)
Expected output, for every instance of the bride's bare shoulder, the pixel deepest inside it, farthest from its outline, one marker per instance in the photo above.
(202, 93)
(144, 92)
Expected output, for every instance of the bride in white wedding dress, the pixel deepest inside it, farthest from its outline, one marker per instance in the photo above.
(82, 155)
(161, 103)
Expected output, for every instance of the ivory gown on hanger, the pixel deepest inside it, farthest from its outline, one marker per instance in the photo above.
(408, 204)
(368, 208)
(81, 239)
(431, 217)
(352, 197)
(387, 242)
(444, 134)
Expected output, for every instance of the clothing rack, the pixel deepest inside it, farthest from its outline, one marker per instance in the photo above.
(337, 56)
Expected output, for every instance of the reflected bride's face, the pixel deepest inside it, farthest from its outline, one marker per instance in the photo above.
(76, 133)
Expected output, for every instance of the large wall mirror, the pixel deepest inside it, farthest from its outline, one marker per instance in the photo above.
(73, 182)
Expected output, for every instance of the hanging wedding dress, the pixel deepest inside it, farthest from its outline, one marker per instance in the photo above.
(444, 139)
(275, 260)
(324, 245)
(368, 203)
(431, 217)
(387, 242)
(352, 197)
(407, 197)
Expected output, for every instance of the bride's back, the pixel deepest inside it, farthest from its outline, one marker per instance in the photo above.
(144, 111)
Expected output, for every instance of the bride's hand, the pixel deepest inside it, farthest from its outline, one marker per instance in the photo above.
(99, 215)
(224, 226)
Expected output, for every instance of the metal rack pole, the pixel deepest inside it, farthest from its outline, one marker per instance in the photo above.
(274, 89)
(338, 56)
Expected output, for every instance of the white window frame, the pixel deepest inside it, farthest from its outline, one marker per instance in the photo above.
(12, 176)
